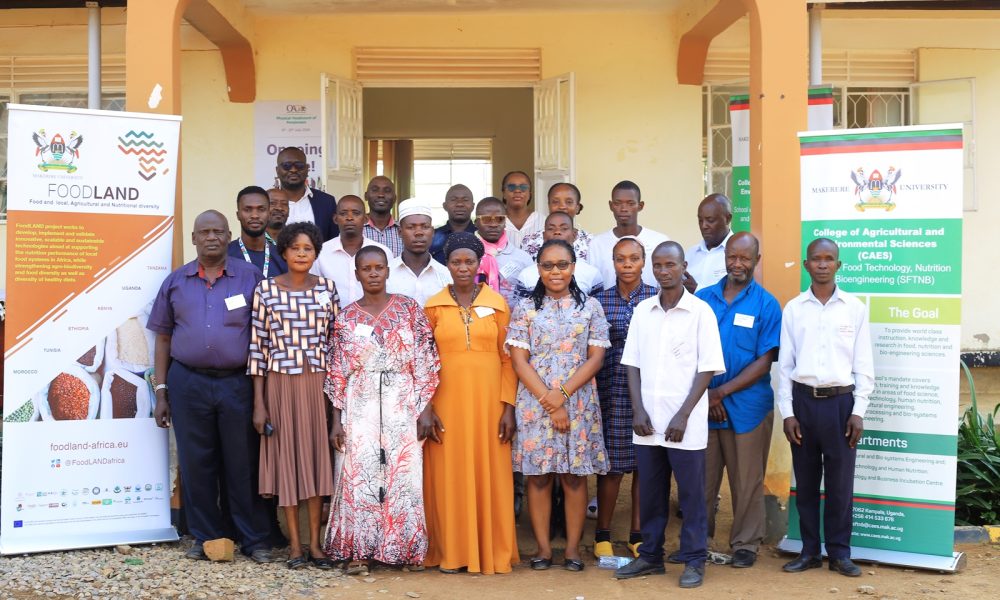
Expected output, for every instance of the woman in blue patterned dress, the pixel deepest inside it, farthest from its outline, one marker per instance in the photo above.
(612, 388)
(557, 339)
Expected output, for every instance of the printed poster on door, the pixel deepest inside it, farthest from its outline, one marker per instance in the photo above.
(89, 237)
(280, 124)
(892, 199)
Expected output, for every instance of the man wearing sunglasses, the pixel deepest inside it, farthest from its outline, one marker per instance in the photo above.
(305, 203)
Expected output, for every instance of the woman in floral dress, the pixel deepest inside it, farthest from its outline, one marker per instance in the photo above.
(557, 339)
(383, 371)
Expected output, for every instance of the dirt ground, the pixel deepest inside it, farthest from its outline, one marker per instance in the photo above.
(980, 578)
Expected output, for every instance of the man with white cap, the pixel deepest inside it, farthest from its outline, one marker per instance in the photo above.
(415, 273)
(336, 258)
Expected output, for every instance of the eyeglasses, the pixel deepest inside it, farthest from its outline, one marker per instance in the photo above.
(562, 265)
(492, 219)
(298, 164)
(518, 187)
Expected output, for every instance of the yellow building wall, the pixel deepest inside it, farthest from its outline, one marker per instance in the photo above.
(633, 121)
(980, 326)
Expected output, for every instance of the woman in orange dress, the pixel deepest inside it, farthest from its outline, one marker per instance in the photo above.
(468, 490)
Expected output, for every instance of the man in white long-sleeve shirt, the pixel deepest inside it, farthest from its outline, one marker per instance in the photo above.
(826, 376)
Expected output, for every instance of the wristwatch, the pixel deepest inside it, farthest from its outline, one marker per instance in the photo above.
(159, 387)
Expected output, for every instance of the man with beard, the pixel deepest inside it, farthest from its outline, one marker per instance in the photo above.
(741, 401)
(305, 203)
(253, 245)
(381, 227)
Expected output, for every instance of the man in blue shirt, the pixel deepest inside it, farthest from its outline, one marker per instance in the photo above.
(741, 400)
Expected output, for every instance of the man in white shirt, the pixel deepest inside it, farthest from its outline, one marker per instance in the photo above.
(305, 204)
(707, 258)
(826, 374)
(336, 258)
(672, 351)
(415, 273)
(559, 226)
(626, 204)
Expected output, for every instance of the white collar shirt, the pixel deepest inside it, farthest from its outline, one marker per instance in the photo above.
(825, 345)
(670, 348)
(301, 211)
(533, 223)
(335, 263)
(420, 287)
(707, 266)
(602, 248)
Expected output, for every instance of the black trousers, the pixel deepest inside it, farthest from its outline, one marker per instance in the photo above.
(217, 446)
(826, 457)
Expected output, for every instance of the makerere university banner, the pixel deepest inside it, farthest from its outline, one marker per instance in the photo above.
(892, 199)
(89, 236)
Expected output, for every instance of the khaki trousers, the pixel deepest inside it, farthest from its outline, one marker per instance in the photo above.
(744, 457)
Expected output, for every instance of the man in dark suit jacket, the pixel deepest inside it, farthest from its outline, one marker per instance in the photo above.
(293, 173)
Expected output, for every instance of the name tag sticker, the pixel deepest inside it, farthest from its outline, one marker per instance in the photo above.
(741, 320)
(363, 330)
(678, 349)
(484, 311)
(846, 330)
(323, 298)
(508, 269)
(234, 302)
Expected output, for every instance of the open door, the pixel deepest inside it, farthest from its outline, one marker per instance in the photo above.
(554, 135)
(950, 101)
(342, 169)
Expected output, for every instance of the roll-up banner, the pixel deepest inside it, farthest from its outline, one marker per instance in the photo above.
(89, 236)
(820, 118)
(892, 199)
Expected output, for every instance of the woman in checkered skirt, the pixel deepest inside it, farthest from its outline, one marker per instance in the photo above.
(612, 389)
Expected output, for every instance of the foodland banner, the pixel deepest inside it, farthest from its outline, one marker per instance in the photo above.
(892, 199)
(89, 235)
(281, 124)
(820, 118)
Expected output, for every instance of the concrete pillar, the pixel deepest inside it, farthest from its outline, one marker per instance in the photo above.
(779, 53)
(153, 68)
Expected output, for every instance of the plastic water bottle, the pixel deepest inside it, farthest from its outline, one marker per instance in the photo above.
(613, 562)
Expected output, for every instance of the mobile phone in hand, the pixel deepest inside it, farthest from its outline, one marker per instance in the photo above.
(268, 429)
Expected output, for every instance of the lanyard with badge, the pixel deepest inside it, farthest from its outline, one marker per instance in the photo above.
(267, 252)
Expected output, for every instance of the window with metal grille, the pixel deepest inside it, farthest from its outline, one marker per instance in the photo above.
(854, 107)
(52, 81)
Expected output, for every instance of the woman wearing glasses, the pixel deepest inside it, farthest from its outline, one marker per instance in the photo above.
(468, 490)
(557, 340)
(382, 372)
(521, 217)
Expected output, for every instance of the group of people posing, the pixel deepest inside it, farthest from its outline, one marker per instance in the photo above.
(423, 379)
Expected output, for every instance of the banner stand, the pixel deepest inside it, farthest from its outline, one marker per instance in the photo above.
(953, 564)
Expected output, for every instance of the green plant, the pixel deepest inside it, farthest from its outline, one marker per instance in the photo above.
(977, 493)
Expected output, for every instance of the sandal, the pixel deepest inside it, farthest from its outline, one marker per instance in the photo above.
(297, 563)
(540, 564)
(321, 562)
(573, 564)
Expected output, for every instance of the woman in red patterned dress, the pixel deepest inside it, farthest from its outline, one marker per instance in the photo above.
(382, 372)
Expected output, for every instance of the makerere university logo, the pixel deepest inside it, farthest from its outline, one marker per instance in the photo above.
(57, 154)
(875, 192)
